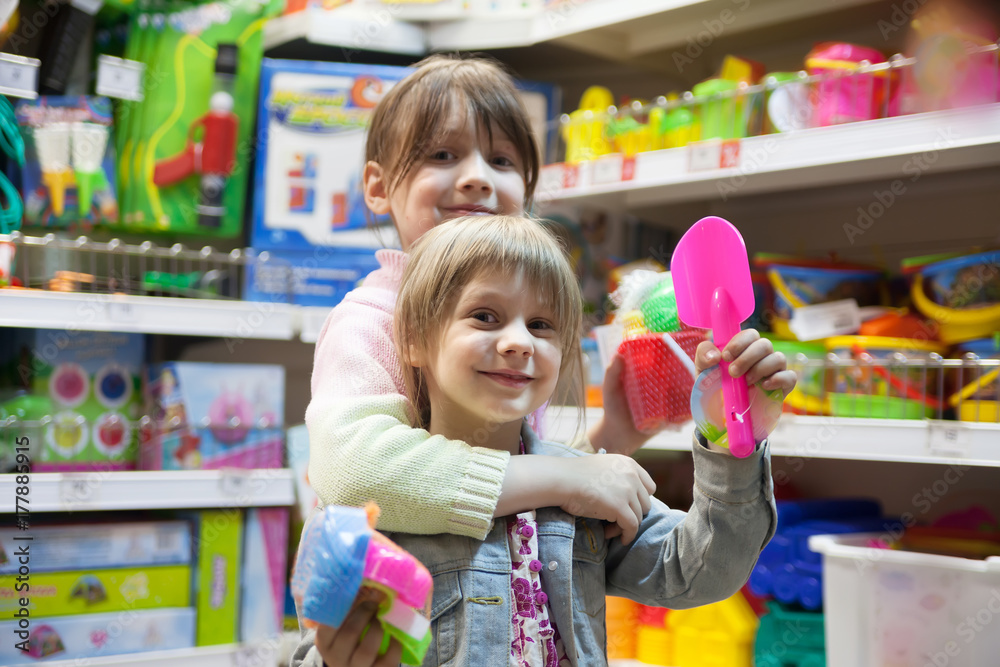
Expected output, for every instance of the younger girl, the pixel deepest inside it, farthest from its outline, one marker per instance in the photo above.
(487, 321)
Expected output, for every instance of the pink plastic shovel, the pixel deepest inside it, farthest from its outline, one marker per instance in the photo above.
(711, 276)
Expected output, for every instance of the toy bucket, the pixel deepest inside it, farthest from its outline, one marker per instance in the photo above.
(723, 112)
(812, 381)
(843, 95)
(978, 397)
(657, 383)
(799, 286)
(962, 295)
(893, 390)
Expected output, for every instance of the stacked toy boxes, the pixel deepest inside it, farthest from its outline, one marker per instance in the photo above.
(95, 590)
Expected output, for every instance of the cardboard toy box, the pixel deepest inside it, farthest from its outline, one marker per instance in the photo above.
(98, 591)
(210, 416)
(93, 380)
(96, 635)
(103, 545)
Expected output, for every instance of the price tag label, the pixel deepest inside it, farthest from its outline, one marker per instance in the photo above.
(607, 169)
(550, 181)
(834, 318)
(235, 483)
(78, 490)
(571, 176)
(628, 168)
(949, 439)
(704, 155)
(120, 78)
(730, 154)
(19, 76)
(122, 310)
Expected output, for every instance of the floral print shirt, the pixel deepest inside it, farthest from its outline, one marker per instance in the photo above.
(536, 640)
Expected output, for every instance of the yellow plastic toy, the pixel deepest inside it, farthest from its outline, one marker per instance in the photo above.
(715, 635)
(584, 133)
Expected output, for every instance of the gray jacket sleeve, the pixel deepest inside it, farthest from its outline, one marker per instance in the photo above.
(682, 560)
(306, 653)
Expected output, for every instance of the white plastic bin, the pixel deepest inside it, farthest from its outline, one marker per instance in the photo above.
(888, 608)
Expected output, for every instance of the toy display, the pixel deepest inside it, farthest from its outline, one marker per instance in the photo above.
(340, 557)
(219, 535)
(89, 636)
(712, 280)
(962, 294)
(184, 148)
(842, 95)
(67, 150)
(97, 591)
(265, 548)
(210, 416)
(92, 381)
(775, 647)
(83, 547)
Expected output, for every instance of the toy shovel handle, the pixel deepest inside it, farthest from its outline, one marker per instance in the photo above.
(735, 394)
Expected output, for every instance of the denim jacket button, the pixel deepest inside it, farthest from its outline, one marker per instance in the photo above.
(553, 564)
(527, 531)
(541, 598)
(535, 565)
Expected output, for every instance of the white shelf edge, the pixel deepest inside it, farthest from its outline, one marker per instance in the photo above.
(311, 320)
(145, 314)
(225, 655)
(152, 489)
(352, 27)
(853, 152)
(894, 440)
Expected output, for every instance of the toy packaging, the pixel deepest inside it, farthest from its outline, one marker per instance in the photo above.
(93, 382)
(342, 556)
(69, 170)
(210, 416)
(82, 547)
(318, 277)
(217, 578)
(90, 636)
(98, 591)
(185, 147)
(265, 550)
(311, 136)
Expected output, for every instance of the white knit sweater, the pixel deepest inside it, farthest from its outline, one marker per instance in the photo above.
(361, 446)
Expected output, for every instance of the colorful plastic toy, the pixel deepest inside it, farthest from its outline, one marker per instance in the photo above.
(707, 408)
(340, 556)
(713, 287)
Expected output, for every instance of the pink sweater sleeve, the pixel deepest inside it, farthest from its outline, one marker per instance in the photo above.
(361, 445)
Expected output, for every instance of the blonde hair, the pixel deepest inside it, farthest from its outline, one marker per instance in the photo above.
(450, 256)
(407, 121)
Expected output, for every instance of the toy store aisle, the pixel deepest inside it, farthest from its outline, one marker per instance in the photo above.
(181, 209)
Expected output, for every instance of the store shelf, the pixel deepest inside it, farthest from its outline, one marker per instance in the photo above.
(898, 440)
(311, 320)
(620, 31)
(351, 27)
(892, 148)
(146, 314)
(147, 489)
(227, 655)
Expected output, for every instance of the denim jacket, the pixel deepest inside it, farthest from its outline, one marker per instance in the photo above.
(677, 560)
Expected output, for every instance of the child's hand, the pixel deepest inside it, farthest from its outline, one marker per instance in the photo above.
(616, 433)
(610, 487)
(752, 356)
(341, 647)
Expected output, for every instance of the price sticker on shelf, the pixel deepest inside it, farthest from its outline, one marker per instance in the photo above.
(19, 76)
(79, 490)
(235, 483)
(713, 154)
(948, 439)
(122, 310)
(120, 78)
(607, 170)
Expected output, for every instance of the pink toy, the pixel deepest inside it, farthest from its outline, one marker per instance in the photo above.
(231, 417)
(711, 276)
(842, 96)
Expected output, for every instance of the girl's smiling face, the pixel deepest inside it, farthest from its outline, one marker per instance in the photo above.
(463, 174)
(497, 357)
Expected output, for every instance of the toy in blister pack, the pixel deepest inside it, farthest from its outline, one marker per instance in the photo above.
(69, 168)
(341, 556)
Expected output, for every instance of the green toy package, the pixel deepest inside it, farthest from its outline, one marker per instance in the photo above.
(185, 148)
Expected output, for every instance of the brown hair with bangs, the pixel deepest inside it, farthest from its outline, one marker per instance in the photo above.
(408, 119)
(447, 258)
